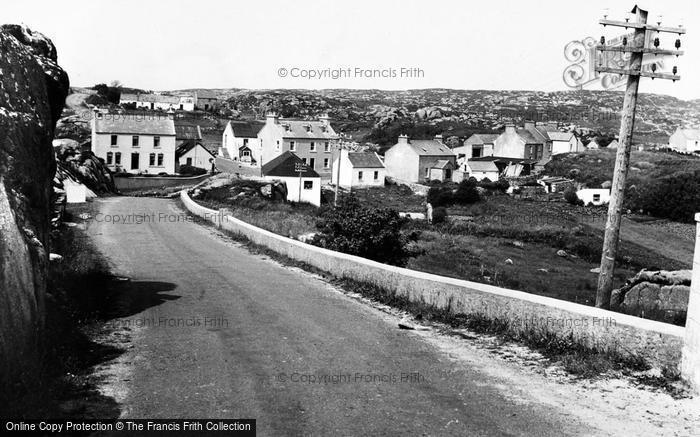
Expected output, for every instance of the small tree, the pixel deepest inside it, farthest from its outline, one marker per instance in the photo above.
(571, 197)
(373, 233)
(466, 193)
(440, 196)
(439, 215)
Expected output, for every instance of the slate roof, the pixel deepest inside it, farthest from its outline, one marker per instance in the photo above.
(442, 164)
(365, 160)
(503, 159)
(482, 166)
(482, 139)
(430, 148)
(530, 137)
(297, 129)
(559, 136)
(187, 131)
(284, 165)
(129, 124)
(246, 129)
(188, 145)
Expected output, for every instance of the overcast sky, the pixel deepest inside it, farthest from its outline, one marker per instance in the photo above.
(489, 44)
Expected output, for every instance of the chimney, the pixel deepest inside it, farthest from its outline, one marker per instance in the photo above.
(403, 139)
(510, 128)
(272, 118)
(438, 137)
(552, 126)
(529, 124)
(325, 119)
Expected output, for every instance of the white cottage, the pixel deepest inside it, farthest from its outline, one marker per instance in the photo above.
(302, 186)
(194, 154)
(134, 144)
(358, 169)
(240, 142)
(594, 196)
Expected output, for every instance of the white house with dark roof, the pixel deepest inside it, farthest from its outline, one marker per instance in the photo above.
(313, 141)
(158, 101)
(481, 170)
(304, 186)
(133, 143)
(358, 169)
(193, 153)
(240, 142)
(685, 140)
(419, 160)
(476, 146)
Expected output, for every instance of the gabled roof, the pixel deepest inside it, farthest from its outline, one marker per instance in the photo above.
(304, 129)
(128, 124)
(502, 159)
(482, 166)
(188, 145)
(284, 166)
(559, 136)
(531, 137)
(187, 131)
(430, 148)
(246, 129)
(365, 160)
(482, 139)
(442, 164)
(158, 98)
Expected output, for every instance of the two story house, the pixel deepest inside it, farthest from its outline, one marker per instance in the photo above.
(240, 142)
(314, 141)
(420, 160)
(133, 144)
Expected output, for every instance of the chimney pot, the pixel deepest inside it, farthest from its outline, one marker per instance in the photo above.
(403, 139)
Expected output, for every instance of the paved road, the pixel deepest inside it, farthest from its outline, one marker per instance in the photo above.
(261, 328)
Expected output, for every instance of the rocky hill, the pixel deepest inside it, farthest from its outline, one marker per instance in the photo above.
(34, 89)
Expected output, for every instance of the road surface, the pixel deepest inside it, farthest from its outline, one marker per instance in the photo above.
(218, 332)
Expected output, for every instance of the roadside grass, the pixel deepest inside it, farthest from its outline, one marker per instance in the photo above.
(48, 388)
(576, 359)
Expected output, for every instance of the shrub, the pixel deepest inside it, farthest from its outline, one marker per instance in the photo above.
(191, 170)
(373, 233)
(571, 197)
(440, 196)
(674, 197)
(439, 215)
(466, 193)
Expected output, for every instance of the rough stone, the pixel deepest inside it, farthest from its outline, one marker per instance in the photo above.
(33, 89)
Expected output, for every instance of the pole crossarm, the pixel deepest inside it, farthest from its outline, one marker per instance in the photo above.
(639, 50)
(628, 72)
(643, 26)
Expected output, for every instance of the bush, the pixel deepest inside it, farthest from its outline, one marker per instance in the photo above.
(373, 233)
(571, 197)
(674, 197)
(439, 215)
(466, 193)
(440, 196)
(191, 170)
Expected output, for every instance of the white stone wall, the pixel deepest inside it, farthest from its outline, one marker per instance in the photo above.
(690, 364)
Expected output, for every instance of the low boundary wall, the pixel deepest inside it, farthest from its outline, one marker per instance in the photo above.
(658, 343)
(144, 183)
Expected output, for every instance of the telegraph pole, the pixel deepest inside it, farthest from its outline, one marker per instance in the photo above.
(634, 71)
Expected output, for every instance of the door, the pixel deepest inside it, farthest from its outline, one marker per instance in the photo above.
(189, 161)
(312, 163)
(134, 161)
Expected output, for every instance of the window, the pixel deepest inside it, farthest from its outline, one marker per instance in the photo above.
(278, 145)
(156, 141)
(596, 197)
(312, 147)
(189, 161)
(152, 159)
(376, 175)
(113, 140)
(160, 160)
(306, 162)
(246, 153)
(326, 146)
(109, 158)
(135, 141)
(134, 161)
(292, 146)
(225, 139)
(476, 152)
(308, 185)
(325, 162)
(118, 158)
(427, 172)
(359, 175)
(312, 162)
(245, 141)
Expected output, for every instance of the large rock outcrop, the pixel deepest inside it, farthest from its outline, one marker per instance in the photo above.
(32, 93)
(660, 294)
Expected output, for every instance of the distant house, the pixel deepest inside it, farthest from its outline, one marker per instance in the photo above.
(594, 196)
(592, 145)
(613, 144)
(530, 142)
(555, 184)
(240, 142)
(132, 144)
(157, 101)
(311, 140)
(358, 169)
(685, 140)
(564, 142)
(507, 166)
(481, 170)
(193, 153)
(475, 146)
(206, 100)
(304, 187)
(419, 160)
(186, 132)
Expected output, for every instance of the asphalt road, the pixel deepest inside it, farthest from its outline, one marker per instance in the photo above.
(218, 332)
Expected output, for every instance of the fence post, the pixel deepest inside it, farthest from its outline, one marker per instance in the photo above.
(690, 363)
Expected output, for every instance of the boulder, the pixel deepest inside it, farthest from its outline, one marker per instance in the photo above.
(33, 89)
(665, 292)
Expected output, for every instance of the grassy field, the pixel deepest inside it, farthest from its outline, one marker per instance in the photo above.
(500, 240)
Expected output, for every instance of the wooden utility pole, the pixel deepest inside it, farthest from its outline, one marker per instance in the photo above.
(637, 49)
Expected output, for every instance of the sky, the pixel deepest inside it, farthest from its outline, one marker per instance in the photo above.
(493, 44)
